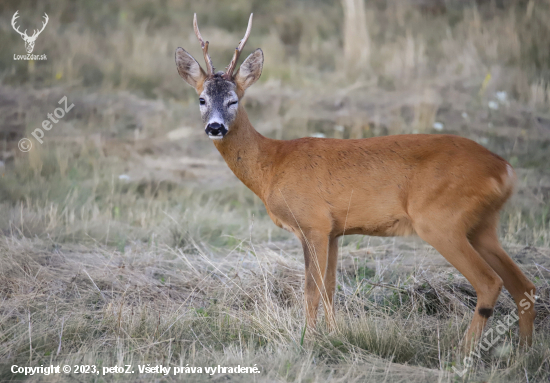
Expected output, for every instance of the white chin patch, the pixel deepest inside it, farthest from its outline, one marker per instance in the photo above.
(215, 137)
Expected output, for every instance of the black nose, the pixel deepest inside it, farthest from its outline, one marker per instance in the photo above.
(215, 129)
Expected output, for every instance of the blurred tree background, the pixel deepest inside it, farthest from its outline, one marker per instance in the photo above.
(344, 69)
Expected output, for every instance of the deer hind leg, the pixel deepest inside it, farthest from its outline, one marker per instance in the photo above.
(315, 245)
(456, 249)
(485, 240)
(330, 283)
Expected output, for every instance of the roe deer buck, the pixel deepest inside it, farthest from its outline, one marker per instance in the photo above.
(446, 189)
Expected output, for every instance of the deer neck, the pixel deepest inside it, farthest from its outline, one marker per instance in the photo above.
(247, 153)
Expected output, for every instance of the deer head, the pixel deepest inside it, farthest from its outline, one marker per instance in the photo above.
(219, 93)
(29, 40)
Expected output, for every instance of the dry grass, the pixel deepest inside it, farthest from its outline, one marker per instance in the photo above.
(75, 304)
(126, 240)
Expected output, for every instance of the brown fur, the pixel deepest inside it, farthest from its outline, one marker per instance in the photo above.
(447, 189)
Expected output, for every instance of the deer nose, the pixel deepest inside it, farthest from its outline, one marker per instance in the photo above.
(215, 129)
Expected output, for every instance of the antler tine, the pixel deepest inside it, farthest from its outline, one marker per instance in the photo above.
(15, 17)
(231, 67)
(246, 34)
(204, 46)
(44, 23)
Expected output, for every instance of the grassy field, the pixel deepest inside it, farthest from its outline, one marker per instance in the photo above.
(126, 240)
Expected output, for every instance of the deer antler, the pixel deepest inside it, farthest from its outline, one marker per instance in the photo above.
(44, 23)
(231, 67)
(15, 16)
(204, 46)
(24, 34)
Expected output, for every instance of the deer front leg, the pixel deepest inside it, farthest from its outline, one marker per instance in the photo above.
(330, 283)
(315, 245)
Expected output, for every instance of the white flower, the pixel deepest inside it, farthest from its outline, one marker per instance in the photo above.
(124, 177)
(502, 97)
(438, 126)
(493, 105)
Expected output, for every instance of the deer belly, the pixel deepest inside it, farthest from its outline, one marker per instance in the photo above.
(386, 227)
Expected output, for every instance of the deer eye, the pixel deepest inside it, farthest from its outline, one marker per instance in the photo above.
(232, 103)
(202, 101)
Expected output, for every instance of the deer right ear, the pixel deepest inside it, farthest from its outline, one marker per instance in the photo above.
(189, 69)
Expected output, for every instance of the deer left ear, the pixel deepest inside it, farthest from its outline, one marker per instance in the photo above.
(250, 70)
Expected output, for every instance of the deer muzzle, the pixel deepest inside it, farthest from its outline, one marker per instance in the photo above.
(215, 130)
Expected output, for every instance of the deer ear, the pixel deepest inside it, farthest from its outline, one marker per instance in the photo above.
(250, 70)
(189, 69)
